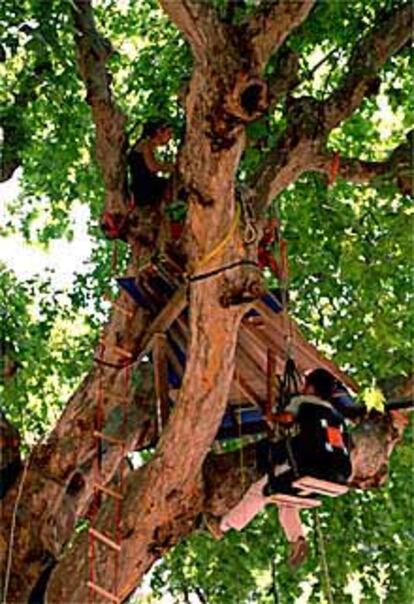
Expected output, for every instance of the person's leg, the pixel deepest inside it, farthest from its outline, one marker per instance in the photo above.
(289, 519)
(251, 504)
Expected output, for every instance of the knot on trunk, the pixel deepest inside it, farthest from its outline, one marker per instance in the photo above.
(249, 98)
(244, 286)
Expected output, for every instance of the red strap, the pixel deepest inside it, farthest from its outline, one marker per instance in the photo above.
(334, 168)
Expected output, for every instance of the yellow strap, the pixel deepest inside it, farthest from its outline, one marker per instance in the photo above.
(216, 250)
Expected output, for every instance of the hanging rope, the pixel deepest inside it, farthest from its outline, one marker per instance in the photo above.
(13, 529)
(327, 586)
(249, 218)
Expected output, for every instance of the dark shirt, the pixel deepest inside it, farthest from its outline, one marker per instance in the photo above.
(146, 186)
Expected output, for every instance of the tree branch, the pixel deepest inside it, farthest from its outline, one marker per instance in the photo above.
(389, 35)
(310, 121)
(398, 168)
(111, 141)
(191, 18)
(271, 26)
(285, 76)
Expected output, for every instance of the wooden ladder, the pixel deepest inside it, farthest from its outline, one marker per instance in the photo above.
(100, 490)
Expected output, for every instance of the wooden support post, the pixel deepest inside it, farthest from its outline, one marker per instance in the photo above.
(159, 355)
(271, 383)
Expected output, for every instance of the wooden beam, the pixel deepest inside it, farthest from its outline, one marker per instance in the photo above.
(162, 322)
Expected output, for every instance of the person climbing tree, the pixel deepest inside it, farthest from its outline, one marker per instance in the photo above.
(147, 186)
(274, 459)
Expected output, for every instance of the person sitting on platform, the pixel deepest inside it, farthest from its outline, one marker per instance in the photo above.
(309, 451)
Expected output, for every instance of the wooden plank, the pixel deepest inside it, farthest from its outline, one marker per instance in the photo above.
(104, 539)
(246, 389)
(108, 491)
(176, 365)
(254, 356)
(159, 357)
(162, 322)
(103, 592)
(317, 485)
(292, 500)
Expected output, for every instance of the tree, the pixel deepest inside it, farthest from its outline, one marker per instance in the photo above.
(258, 114)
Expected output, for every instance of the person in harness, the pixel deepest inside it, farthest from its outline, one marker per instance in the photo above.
(317, 441)
(316, 452)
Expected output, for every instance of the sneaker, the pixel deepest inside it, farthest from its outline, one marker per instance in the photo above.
(298, 552)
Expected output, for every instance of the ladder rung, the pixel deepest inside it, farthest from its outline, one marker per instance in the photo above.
(324, 487)
(284, 499)
(104, 539)
(107, 490)
(110, 439)
(117, 349)
(103, 592)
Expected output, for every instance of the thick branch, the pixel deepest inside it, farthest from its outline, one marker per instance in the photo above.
(271, 26)
(192, 17)
(285, 76)
(111, 140)
(397, 168)
(310, 121)
(389, 35)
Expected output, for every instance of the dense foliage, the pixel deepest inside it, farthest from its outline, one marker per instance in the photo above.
(350, 251)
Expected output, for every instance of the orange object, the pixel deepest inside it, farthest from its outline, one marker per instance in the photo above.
(334, 168)
(335, 438)
(284, 418)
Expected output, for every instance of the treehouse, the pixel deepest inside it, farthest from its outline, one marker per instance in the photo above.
(260, 352)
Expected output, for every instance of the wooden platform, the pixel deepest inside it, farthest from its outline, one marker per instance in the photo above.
(261, 343)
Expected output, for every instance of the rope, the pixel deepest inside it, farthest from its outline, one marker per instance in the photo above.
(221, 244)
(13, 529)
(327, 586)
(250, 230)
(221, 269)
